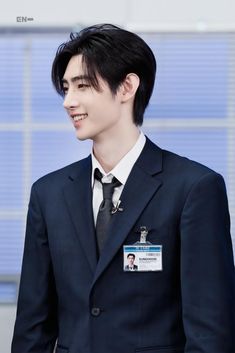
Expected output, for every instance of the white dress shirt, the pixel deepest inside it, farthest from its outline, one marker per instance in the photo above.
(121, 171)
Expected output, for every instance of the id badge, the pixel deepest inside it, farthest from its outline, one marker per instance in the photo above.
(142, 256)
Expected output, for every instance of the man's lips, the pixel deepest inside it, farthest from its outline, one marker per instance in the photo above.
(78, 117)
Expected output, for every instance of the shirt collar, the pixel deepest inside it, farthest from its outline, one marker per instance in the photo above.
(122, 170)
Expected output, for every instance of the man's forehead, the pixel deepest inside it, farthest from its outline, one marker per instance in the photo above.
(75, 69)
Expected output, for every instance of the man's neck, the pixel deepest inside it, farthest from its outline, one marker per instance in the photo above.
(110, 151)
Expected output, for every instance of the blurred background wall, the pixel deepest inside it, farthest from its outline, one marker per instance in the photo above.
(192, 110)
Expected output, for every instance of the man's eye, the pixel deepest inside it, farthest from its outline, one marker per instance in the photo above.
(83, 85)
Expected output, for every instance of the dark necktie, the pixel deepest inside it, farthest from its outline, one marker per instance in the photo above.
(104, 214)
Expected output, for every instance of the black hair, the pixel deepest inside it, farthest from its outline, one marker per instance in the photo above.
(131, 255)
(111, 53)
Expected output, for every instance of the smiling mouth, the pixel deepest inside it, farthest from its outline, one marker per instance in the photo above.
(79, 117)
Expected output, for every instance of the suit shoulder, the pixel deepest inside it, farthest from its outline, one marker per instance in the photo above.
(172, 167)
(184, 165)
(61, 175)
(188, 174)
(172, 163)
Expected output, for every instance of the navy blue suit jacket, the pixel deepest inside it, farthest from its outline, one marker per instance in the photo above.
(92, 306)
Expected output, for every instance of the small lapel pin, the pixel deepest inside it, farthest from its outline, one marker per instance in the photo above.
(117, 208)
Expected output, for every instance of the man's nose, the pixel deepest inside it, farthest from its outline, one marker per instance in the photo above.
(70, 100)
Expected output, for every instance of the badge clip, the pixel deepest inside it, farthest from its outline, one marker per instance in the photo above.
(143, 234)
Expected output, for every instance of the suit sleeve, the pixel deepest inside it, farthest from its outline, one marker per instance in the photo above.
(207, 269)
(35, 327)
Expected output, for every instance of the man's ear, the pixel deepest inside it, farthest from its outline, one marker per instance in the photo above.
(129, 87)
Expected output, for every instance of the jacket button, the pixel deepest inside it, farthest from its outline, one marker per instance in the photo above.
(95, 311)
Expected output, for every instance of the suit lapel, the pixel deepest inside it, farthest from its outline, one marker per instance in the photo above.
(78, 196)
(139, 189)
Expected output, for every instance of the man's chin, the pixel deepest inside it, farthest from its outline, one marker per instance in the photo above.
(82, 137)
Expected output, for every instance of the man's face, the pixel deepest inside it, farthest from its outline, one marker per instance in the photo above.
(131, 260)
(94, 114)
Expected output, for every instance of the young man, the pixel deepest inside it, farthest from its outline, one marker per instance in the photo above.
(128, 196)
(131, 263)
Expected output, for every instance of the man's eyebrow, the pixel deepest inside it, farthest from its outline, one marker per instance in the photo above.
(76, 78)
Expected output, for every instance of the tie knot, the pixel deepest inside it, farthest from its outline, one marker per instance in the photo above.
(108, 188)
